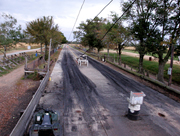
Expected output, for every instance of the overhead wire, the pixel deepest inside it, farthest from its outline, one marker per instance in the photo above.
(102, 9)
(118, 20)
(94, 17)
(76, 19)
(115, 22)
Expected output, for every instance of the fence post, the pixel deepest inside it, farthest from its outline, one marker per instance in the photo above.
(114, 58)
(147, 73)
(33, 65)
(25, 75)
(143, 72)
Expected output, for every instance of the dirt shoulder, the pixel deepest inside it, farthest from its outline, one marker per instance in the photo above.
(15, 95)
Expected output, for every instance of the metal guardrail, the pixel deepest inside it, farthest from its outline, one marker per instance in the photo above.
(23, 122)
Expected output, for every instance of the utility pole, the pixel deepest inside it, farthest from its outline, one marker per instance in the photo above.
(49, 54)
(171, 65)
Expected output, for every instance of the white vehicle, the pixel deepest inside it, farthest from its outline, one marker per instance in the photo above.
(82, 60)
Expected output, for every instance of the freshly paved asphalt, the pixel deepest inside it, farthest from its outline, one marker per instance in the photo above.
(92, 101)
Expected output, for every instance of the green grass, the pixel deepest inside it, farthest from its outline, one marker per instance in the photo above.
(151, 66)
(8, 69)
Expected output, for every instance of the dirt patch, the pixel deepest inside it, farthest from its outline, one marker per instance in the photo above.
(14, 102)
(15, 95)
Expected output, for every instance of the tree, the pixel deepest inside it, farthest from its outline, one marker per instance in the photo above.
(156, 25)
(64, 40)
(42, 30)
(119, 35)
(57, 38)
(165, 32)
(167, 16)
(9, 33)
(141, 18)
(107, 41)
(89, 33)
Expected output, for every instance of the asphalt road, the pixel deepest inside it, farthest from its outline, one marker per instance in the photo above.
(92, 101)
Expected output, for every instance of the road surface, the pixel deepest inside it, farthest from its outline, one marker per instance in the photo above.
(92, 101)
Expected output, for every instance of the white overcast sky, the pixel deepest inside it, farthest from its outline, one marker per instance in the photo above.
(64, 12)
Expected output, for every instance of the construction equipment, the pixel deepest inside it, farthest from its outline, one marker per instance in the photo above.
(82, 60)
(45, 124)
(135, 102)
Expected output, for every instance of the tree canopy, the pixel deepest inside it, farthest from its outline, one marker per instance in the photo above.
(10, 33)
(89, 33)
(155, 25)
(42, 30)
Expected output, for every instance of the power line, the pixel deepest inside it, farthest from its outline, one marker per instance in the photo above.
(118, 19)
(76, 19)
(99, 13)
(102, 10)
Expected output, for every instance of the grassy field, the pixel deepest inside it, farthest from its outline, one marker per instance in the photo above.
(20, 46)
(133, 51)
(8, 69)
(151, 66)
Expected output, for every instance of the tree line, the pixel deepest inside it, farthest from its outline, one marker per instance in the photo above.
(39, 31)
(151, 26)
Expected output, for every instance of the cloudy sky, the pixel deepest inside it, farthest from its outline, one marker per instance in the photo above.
(64, 12)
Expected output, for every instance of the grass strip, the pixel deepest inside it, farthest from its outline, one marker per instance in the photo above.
(151, 66)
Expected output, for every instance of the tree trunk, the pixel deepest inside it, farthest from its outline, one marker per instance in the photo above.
(162, 62)
(108, 49)
(46, 52)
(5, 51)
(41, 48)
(141, 56)
(160, 76)
(119, 53)
(90, 49)
(98, 54)
(119, 59)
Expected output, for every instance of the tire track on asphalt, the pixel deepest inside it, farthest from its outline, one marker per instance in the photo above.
(76, 83)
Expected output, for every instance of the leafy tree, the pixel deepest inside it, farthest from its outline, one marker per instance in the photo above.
(155, 24)
(119, 35)
(57, 38)
(90, 33)
(141, 16)
(42, 30)
(64, 40)
(108, 39)
(167, 32)
(9, 33)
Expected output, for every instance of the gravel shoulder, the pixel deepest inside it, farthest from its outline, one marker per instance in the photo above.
(15, 95)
